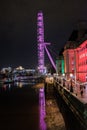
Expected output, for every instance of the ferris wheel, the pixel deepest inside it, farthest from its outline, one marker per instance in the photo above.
(42, 45)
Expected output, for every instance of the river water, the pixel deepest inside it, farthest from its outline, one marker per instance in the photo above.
(22, 107)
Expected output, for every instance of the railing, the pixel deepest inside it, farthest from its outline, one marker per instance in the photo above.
(78, 107)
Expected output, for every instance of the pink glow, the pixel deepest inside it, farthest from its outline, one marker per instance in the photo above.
(42, 44)
(42, 109)
(50, 58)
(40, 40)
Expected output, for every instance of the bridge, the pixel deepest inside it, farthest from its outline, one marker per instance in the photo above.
(76, 102)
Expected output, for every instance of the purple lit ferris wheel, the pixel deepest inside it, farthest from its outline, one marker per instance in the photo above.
(42, 45)
(40, 40)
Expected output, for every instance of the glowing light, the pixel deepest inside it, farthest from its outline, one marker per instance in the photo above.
(50, 58)
(71, 75)
(40, 40)
(42, 44)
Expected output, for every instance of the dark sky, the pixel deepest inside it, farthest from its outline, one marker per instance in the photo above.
(18, 27)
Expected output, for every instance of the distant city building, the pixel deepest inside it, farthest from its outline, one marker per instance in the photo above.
(5, 70)
(60, 65)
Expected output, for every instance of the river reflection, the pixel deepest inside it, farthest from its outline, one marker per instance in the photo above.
(9, 86)
(42, 109)
(22, 107)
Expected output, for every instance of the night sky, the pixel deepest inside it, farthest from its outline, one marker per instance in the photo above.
(18, 28)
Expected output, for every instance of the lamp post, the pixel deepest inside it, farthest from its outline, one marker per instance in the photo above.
(75, 70)
(71, 87)
(75, 65)
(63, 79)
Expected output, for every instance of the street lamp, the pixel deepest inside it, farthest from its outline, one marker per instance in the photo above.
(75, 66)
(63, 79)
(71, 86)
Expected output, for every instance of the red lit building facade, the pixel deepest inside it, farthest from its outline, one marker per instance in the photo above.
(82, 62)
(75, 55)
(75, 60)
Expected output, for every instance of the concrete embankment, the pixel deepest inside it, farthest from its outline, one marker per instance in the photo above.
(54, 118)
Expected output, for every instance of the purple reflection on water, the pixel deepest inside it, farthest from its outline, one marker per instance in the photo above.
(42, 111)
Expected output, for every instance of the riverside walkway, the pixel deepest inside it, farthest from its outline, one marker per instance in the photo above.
(82, 97)
(75, 97)
(75, 101)
(80, 92)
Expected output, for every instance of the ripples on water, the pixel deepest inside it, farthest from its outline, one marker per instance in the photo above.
(22, 107)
